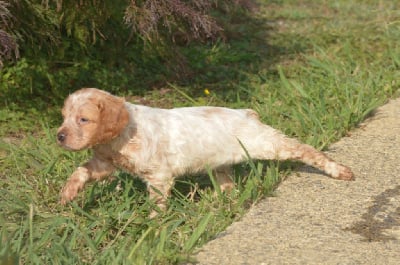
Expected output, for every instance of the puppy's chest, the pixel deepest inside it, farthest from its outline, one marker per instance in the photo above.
(124, 162)
(123, 159)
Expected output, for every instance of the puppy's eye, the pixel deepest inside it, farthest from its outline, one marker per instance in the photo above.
(83, 120)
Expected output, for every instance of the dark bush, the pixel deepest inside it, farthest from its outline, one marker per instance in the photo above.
(8, 45)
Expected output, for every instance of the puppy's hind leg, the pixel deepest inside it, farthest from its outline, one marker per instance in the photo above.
(291, 149)
(222, 176)
(266, 143)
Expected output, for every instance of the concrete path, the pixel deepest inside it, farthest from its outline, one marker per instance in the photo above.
(318, 220)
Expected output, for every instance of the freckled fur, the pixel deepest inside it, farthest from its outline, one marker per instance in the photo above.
(160, 145)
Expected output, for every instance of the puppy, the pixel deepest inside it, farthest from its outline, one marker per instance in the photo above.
(161, 144)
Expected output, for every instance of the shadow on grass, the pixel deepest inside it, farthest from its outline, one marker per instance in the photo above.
(42, 83)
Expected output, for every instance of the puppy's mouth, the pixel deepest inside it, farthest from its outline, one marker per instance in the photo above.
(62, 140)
(69, 148)
(73, 148)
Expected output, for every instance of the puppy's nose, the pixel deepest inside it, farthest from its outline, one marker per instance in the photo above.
(61, 136)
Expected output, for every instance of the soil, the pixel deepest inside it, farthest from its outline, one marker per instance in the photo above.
(314, 219)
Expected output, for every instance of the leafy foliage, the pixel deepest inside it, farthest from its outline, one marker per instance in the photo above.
(64, 45)
(186, 19)
(8, 45)
(63, 29)
(69, 28)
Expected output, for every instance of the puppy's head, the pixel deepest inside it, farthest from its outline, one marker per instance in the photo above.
(91, 117)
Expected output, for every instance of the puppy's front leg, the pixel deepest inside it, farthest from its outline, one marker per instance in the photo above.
(95, 169)
(159, 189)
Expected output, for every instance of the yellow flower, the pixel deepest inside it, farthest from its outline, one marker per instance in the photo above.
(206, 91)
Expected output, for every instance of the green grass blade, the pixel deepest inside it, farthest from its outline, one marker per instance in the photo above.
(200, 229)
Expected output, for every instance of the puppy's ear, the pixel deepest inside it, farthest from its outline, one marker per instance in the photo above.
(114, 117)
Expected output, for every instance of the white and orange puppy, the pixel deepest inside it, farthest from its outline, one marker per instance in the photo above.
(161, 144)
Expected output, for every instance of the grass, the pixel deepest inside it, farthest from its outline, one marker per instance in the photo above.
(312, 70)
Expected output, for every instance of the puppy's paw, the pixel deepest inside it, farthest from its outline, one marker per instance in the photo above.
(69, 192)
(345, 173)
